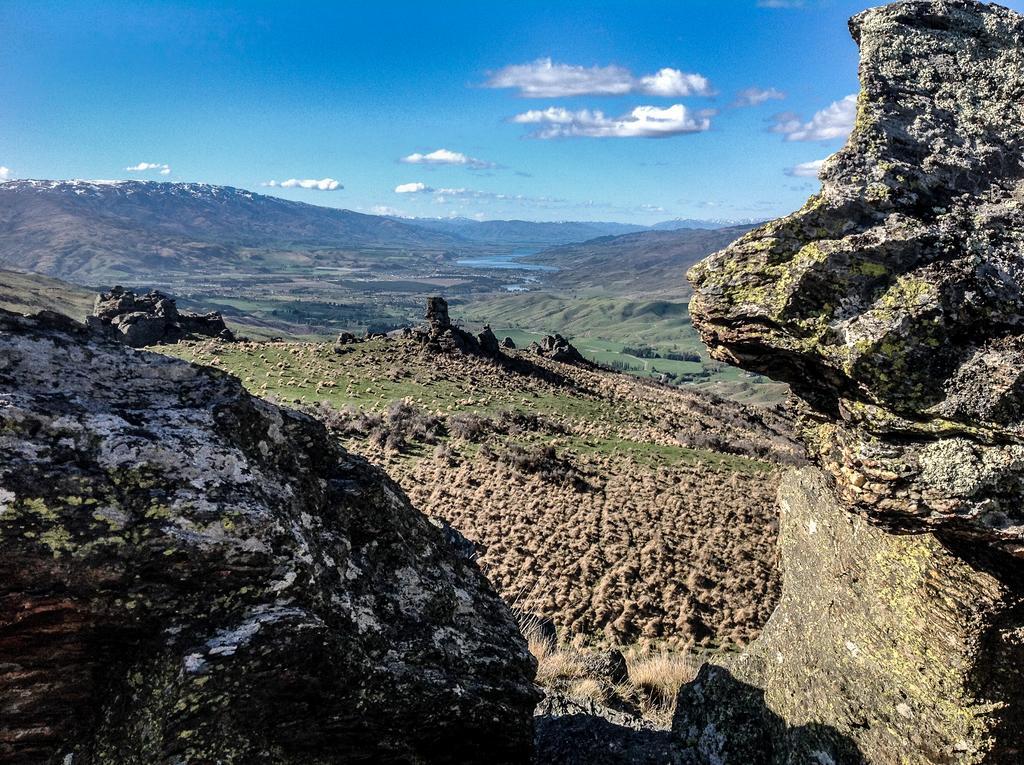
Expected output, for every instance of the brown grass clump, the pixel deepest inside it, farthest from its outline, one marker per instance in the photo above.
(554, 663)
(589, 689)
(653, 682)
(659, 676)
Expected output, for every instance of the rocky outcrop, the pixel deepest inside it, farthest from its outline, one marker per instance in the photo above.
(346, 338)
(556, 348)
(892, 303)
(437, 314)
(192, 574)
(441, 336)
(153, 318)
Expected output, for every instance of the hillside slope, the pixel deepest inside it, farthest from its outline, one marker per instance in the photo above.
(91, 231)
(623, 510)
(642, 264)
(30, 293)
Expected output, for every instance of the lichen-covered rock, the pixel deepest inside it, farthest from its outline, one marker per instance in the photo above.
(892, 302)
(191, 574)
(884, 648)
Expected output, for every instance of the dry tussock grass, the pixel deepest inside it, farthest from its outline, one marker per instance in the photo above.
(616, 546)
(654, 676)
(677, 554)
(658, 676)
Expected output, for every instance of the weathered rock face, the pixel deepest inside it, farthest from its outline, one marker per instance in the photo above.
(192, 574)
(141, 320)
(892, 301)
(884, 648)
(437, 314)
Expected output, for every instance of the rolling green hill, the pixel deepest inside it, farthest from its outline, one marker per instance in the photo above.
(613, 331)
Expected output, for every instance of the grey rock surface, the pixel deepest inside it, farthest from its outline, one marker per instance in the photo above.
(192, 574)
(892, 303)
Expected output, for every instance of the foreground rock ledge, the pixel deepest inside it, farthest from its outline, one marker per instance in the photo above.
(893, 303)
(192, 574)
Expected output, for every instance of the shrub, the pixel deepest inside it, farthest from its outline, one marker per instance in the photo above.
(540, 460)
(401, 423)
(516, 421)
(469, 427)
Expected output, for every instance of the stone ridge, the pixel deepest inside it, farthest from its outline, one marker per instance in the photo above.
(892, 302)
(192, 574)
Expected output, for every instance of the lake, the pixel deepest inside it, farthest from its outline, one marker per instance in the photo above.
(506, 261)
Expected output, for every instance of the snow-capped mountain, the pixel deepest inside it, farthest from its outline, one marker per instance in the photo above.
(77, 229)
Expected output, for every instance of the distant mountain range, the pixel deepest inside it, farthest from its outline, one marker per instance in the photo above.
(88, 231)
(551, 234)
(94, 232)
(644, 263)
(678, 223)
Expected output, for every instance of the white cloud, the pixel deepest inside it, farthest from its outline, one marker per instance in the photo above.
(144, 166)
(544, 78)
(834, 121)
(806, 169)
(671, 83)
(5, 173)
(385, 210)
(757, 96)
(411, 188)
(642, 122)
(324, 184)
(446, 157)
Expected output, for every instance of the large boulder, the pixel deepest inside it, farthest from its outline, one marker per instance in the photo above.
(893, 303)
(192, 574)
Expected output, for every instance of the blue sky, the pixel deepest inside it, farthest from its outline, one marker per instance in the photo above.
(535, 110)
